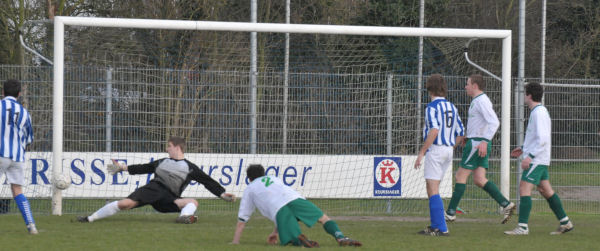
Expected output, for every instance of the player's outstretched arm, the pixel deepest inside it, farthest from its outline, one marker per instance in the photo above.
(238, 232)
(115, 167)
(228, 197)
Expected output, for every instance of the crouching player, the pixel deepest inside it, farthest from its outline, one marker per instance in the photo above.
(284, 206)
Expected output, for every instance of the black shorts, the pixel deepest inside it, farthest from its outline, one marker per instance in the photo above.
(156, 195)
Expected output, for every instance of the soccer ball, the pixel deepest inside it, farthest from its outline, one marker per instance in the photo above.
(62, 181)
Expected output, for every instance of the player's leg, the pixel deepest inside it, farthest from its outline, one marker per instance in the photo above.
(529, 179)
(565, 225)
(437, 161)
(332, 229)
(109, 209)
(144, 195)
(188, 207)
(289, 229)
(459, 189)
(16, 177)
(480, 179)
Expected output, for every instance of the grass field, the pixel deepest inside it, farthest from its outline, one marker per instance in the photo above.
(214, 232)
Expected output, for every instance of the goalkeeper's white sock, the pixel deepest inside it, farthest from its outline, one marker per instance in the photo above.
(107, 210)
(189, 209)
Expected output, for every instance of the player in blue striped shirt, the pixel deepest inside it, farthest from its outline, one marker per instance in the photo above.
(17, 133)
(442, 131)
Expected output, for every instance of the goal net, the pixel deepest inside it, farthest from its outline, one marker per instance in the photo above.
(340, 121)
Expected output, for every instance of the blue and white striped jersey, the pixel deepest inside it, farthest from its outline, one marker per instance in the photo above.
(443, 115)
(15, 128)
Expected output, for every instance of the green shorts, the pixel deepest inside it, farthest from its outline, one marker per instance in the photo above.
(470, 158)
(288, 216)
(535, 174)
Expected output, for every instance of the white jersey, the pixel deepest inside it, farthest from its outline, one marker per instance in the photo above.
(483, 121)
(268, 194)
(538, 136)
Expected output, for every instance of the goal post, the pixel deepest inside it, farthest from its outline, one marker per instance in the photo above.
(58, 68)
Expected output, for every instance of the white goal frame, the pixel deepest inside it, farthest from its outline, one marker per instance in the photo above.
(58, 92)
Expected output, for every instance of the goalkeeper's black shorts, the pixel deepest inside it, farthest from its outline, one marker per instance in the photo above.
(157, 195)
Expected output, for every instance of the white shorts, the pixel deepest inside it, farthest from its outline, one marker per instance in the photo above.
(437, 161)
(15, 171)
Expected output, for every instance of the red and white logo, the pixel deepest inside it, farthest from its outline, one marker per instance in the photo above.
(387, 173)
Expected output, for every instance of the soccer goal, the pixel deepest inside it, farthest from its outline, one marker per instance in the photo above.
(344, 123)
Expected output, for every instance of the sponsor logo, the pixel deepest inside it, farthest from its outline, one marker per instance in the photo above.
(387, 176)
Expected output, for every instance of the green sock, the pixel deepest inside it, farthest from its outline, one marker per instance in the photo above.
(493, 191)
(332, 228)
(557, 208)
(459, 190)
(524, 209)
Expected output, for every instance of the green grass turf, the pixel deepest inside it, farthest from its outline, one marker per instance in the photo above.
(214, 232)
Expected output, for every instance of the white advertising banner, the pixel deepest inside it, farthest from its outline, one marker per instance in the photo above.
(314, 176)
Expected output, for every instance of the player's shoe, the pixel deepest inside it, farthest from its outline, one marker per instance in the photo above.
(348, 242)
(508, 212)
(563, 228)
(518, 231)
(449, 218)
(187, 219)
(83, 219)
(305, 242)
(32, 229)
(433, 232)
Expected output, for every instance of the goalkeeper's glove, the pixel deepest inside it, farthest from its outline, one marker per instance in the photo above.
(228, 197)
(114, 168)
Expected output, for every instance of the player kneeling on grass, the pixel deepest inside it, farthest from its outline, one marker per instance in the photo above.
(284, 206)
(163, 192)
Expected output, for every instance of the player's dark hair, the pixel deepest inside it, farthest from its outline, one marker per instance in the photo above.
(535, 90)
(478, 80)
(178, 141)
(12, 88)
(254, 171)
(436, 85)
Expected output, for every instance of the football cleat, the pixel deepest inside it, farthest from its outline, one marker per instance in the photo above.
(433, 232)
(305, 242)
(348, 242)
(449, 218)
(508, 212)
(563, 228)
(518, 231)
(187, 219)
(83, 219)
(32, 229)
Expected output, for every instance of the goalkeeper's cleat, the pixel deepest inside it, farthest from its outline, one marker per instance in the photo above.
(518, 231)
(32, 229)
(305, 242)
(433, 232)
(187, 219)
(348, 242)
(563, 228)
(83, 219)
(448, 217)
(508, 212)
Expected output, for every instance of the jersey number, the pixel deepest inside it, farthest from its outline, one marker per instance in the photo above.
(267, 181)
(449, 119)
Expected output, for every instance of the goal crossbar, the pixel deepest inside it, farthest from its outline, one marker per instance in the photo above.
(58, 70)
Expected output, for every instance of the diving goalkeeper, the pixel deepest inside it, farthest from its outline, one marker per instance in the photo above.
(171, 176)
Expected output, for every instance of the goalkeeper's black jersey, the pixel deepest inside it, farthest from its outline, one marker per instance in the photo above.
(176, 175)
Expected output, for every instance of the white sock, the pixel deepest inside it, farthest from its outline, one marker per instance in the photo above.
(107, 210)
(524, 225)
(189, 209)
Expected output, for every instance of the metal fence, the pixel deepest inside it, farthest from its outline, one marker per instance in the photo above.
(136, 110)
